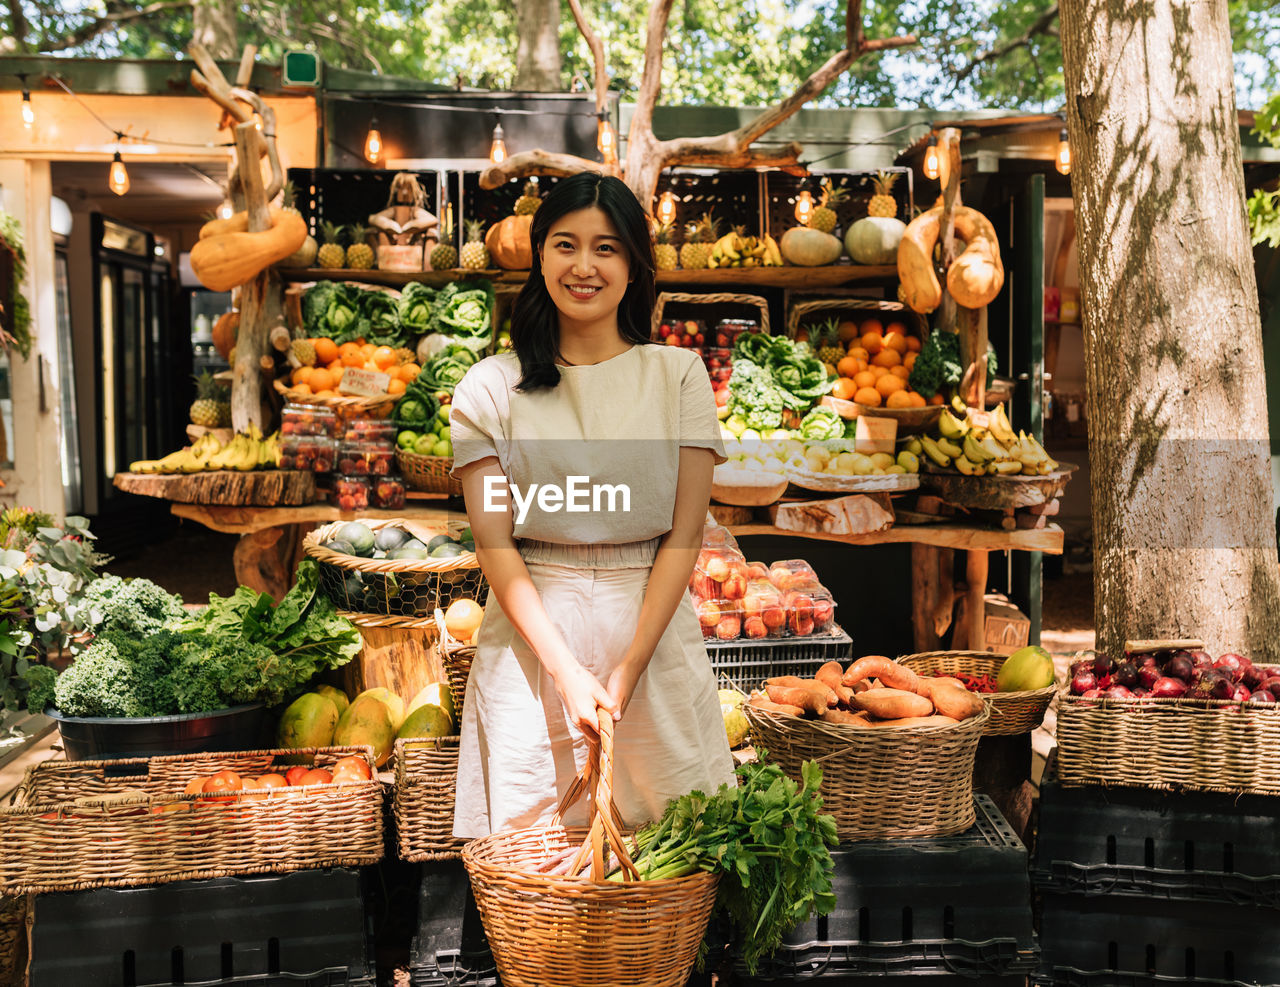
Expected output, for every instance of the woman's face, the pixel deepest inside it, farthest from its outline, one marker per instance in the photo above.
(585, 267)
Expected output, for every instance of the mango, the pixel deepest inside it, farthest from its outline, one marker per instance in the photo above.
(436, 694)
(367, 723)
(1027, 668)
(394, 704)
(309, 721)
(427, 720)
(339, 697)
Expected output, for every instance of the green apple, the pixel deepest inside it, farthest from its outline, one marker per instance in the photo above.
(445, 434)
(424, 445)
(443, 448)
(406, 439)
(442, 413)
(736, 424)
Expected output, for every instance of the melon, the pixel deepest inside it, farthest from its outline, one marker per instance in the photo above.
(874, 240)
(309, 721)
(394, 704)
(427, 720)
(435, 694)
(367, 723)
(1027, 668)
(338, 697)
(810, 248)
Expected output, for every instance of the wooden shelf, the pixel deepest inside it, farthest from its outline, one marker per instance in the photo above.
(247, 520)
(966, 537)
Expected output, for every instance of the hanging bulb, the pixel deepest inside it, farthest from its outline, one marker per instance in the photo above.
(257, 122)
(1063, 159)
(605, 139)
(804, 207)
(666, 208)
(28, 111)
(226, 210)
(498, 149)
(931, 166)
(373, 143)
(118, 178)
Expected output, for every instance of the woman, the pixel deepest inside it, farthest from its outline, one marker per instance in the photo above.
(585, 458)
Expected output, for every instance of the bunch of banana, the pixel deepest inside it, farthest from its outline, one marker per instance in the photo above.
(735, 249)
(985, 449)
(246, 451)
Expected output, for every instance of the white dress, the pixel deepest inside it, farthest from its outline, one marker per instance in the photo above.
(613, 425)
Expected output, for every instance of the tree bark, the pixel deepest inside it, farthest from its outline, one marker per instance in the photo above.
(538, 46)
(215, 27)
(1184, 535)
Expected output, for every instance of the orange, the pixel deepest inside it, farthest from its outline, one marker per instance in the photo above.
(847, 367)
(325, 394)
(396, 386)
(895, 326)
(384, 357)
(844, 388)
(909, 360)
(409, 372)
(334, 367)
(303, 390)
(913, 344)
(326, 349)
(368, 349)
(864, 379)
(868, 396)
(902, 373)
(936, 399)
(196, 785)
(302, 375)
(895, 341)
(888, 384)
(348, 347)
(353, 358)
(878, 371)
(886, 358)
(873, 326)
(463, 618)
(872, 342)
(848, 330)
(898, 399)
(860, 353)
(917, 401)
(321, 380)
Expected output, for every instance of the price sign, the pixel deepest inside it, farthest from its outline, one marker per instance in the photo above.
(979, 419)
(364, 383)
(875, 435)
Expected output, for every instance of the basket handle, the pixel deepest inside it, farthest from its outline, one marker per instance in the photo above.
(445, 639)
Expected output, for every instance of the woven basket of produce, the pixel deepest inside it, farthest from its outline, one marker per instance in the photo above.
(429, 474)
(423, 567)
(896, 750)
(456, 658)
(344, 405)
(75, 825)
(1011, 712)
(553, 930)
(426, 780)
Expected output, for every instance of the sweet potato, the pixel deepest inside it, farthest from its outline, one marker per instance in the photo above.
(830, 675)
(809, 685)
(892, 704)
(845, 718)
(790, 695)
(959, 704)
(890, 673)
(937, 719)
(760, 702)
(949, 681)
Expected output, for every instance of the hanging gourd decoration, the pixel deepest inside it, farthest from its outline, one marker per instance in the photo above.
(974, 278)
(224, 332)
(508, 243)
(228, 257)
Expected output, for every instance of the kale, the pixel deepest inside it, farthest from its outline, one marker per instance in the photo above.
(135, 606)
(938, 363)
(40, 681)
(100, 682)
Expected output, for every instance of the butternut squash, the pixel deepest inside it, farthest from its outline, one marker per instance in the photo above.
(974, 278)
(236, 223)
(225, 331)
(509, 244)
(224, 260)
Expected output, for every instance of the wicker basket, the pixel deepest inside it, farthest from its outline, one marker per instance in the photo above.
(428, 473)
(880, 782)
(426, 780)
(861, 307)
(456, 658)
(1011, 712)
(13, 940)
(1169, 744)
(343, 405)
(59, 836)
(550, 931)
(713, 298)
(407, 589)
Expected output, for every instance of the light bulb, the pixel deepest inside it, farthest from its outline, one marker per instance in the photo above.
(804, 207)
(498, 149)
(373, 143)
(605, 139)
(666, 208)
(931, 166)
(226, 210)
(257, 122)
(28, 111)
(118, 178)
(1063, 159)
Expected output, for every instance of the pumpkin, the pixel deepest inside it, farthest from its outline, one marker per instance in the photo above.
(224, 260)
(236, 223)
(874, 240)
(225, 331)
(974, 278)
(508, 243)
(809, 248)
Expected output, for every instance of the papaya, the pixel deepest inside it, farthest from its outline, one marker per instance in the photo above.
(437, 694)
(394, 704)
(309, 721)
(337, 695)
(428, 720)
(367, 723)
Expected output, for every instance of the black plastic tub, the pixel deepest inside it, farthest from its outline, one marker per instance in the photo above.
(106, 738)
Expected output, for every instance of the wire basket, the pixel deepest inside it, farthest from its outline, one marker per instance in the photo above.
(345, 406)
(428, 473)
(553, 931)
(711, 298)
(456, 658)
(426, 782)
(882, 782)
(409, 589)
(1011, 712)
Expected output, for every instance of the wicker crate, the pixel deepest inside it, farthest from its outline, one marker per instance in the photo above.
(61, 835)
(882, 782)
(708, 298)
(429, 474)
(1011, 712)
(345, 406)
(426, 780)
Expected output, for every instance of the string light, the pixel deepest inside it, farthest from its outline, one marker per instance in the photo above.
(257, 122)
(118, 177)
(1063, 159)
(932, 168)
(226, 210)
(606, 140)
(498, 149)
(666, 208)
(804, 207)
(28, 111)
(373, 143)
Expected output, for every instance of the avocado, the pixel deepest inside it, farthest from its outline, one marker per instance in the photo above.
(358, 536)
(447, 550)
(390, 537)
(437, 541)
(339, 546)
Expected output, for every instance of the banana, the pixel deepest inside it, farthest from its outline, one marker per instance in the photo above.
(1001, 427)
(772, 251)
(948, 448)
(958, 405)
(1007, 466)
(950, 426)
(967, 466)
(913, 446)
(932, 450)
(995, 450)
(975, 451)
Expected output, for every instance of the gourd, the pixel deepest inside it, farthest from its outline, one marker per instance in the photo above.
(809, 248)
(236, 223)
(874, 240)
(223, 260)
(509, 244)
(225, 331)
(974, 278)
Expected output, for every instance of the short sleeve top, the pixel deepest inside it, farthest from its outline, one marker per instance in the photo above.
(595, 459)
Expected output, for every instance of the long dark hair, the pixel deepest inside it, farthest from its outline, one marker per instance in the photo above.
(535, 320)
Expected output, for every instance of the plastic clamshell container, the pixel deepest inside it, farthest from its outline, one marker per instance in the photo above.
(369, 430)
(387, 491)
(720, 619)
(716, 357)
(351, 493)
(727, 331)
(792, 574)
(764, 614)
(307, 452)
(308, 419)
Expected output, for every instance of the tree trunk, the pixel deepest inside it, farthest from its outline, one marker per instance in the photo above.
(215, 27)
(1184, 534)
(538, 47)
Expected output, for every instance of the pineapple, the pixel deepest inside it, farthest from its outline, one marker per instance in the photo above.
(331, 252)
(305, 352)
(828, 342)
(824, 217)
(359, 254)
(528, 203)
(204, 409)
(475, 255)
(883, 203)
(405, 355)
(696, 251)
(664, 253)
(444, 256)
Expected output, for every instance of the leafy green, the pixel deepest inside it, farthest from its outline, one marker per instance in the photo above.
(331, 309)
(134, 606)
(754, 395)
(415, 306)
(822, 423)
(463, 309)
(938, 363)
(444, 371)
(780, 375)
(379, 321)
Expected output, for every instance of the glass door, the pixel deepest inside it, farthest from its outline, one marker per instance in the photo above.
(69, 439)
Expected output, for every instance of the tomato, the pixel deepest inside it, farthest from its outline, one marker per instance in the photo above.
(295, 773)
(233, 781)
(348, 776)
(219, 786)
(195, 786)
(357, 764)
(272, 780)
(316, 776)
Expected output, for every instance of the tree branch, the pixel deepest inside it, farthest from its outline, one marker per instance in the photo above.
(268, 133)
(597, 54)
(726, 154)
(108, 22)
(17, 24)
(1041, 25)
(651, 78)
(207, 78)
(539, 162)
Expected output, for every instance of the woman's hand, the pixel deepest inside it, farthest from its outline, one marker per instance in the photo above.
(622, 683)
(581, 693)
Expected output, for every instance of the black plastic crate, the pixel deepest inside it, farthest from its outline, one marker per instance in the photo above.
(352, 195)
(1118, 941)
(1192, 846)
(747, 662)
(957, 905)
(308, 926)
